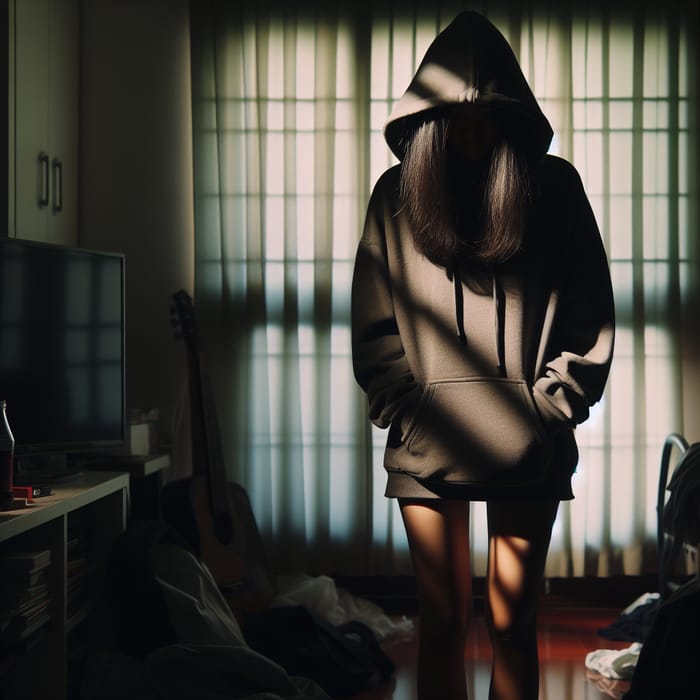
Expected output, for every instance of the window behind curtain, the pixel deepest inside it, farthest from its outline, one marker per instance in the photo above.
(288, 143)
(630, 116)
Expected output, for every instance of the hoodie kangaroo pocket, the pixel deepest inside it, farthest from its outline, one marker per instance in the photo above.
(474, 429)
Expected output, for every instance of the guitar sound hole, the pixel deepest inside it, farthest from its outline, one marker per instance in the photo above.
(223, 527)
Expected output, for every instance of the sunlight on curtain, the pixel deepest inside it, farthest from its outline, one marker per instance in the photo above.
(288, 114)
(278, 210)
(630, 121)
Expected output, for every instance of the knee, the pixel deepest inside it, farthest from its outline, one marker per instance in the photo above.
(511, 626)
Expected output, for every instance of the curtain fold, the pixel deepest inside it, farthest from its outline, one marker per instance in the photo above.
(288, 105)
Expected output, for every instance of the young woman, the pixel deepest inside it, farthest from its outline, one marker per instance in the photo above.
(483, 327)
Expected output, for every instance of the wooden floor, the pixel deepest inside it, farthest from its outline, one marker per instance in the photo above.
(566, 635)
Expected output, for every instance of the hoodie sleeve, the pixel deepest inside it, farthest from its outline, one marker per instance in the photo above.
(579, 353)
(379, 360)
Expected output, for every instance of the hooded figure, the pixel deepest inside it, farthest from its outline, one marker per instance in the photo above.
(480, 357)
(482, 333)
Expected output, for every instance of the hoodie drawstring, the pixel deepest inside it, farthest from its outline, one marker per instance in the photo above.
(453, 274)
(498, 314)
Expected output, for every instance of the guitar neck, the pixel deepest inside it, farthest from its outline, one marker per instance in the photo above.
(217, 467)
(207, 452)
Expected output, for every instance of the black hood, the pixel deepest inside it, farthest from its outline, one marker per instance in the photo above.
(471, 61)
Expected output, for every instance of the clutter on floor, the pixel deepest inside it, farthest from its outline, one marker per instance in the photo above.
(634, 621)
(169, 632)
(618, 664)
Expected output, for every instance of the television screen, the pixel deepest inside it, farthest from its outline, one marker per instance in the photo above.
(62, 367)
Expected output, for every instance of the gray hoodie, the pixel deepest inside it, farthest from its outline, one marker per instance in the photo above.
(536, 332)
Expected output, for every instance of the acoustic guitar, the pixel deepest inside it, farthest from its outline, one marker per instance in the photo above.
(211, 513)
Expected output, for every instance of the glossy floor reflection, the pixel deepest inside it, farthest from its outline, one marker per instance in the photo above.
(566, 636)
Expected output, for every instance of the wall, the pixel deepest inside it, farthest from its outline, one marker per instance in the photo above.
(136, 175)
(4, 117)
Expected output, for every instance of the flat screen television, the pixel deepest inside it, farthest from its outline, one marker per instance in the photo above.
(62, 364)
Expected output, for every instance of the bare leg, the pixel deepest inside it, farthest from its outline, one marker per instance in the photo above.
(438, 537)
(519, 535)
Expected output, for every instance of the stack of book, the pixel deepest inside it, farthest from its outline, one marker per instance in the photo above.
(24, 599)
(80, 568)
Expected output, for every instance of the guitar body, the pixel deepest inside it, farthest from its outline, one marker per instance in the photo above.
(238, 566)
(212, 514)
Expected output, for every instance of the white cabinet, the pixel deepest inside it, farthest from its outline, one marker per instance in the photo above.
(43, 120)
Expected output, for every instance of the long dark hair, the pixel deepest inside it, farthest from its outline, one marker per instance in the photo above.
(455, 207)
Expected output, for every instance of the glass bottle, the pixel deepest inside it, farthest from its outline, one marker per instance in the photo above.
(7, 450)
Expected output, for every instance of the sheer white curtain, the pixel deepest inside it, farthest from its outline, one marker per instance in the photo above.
(288, 105)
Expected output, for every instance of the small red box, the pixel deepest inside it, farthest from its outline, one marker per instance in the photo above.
(23, 492)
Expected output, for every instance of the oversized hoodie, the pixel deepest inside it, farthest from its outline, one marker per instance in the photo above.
(482, 373)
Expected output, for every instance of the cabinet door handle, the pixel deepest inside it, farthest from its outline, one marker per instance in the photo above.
(43, 179)
(57, 167)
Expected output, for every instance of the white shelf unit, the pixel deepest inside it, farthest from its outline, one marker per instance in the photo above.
(103, 497)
